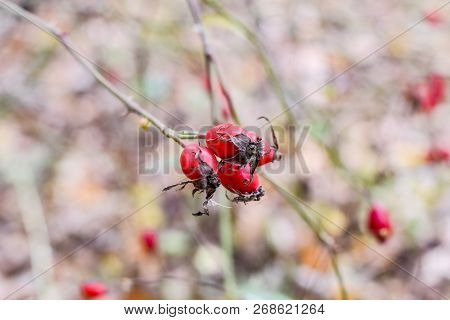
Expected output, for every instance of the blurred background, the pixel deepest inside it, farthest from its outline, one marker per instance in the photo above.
(69, 154)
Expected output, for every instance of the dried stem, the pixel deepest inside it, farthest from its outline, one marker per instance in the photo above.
(210, 66)
(261, 51)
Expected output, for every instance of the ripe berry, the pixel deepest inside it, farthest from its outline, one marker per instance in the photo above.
(149, 239)
(239, 180)
(428, 94)
(234, 144)
(438, 154)
(379, 222)
(93, 289)
(197, 161)
(199, 164)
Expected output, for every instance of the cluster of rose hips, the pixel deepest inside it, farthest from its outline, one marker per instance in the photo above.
(240, 152)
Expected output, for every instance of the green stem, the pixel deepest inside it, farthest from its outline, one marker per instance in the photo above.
(340, 279)
(226, 240)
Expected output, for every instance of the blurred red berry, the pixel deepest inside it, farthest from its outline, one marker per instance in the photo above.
(434, 17)
(428, 94)
(436, 82)
(93, 289)
(438, 154)
(379, 222)
(149, 239)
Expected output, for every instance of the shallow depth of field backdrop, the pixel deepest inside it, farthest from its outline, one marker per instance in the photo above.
(69, 154)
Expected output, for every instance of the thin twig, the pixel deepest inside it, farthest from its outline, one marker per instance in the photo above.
(226, 240)
(325, 239)
(340, 279)
(130, 104)
(210, 66)
(225, 223)
(260, 50)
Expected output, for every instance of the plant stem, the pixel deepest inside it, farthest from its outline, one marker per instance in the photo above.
(323, 237)
(211, 65)
(226, 240)
(129, 103)
(225, 222)
(340, 279)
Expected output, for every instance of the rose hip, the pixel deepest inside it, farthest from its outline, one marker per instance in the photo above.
(199, 164)
(379, 222)
(93, 289)
(240, 181)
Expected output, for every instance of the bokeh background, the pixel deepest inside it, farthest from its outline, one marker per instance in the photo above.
(69, 156)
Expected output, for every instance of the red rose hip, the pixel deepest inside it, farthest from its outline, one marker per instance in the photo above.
(234, 144)
(149, 240)
(240, 181)
(428, 94)
(438, 154)
(199, 164)
(191, 160)
(379, 222)
(93, 289)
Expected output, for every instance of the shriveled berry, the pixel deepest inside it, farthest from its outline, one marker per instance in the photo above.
(379, 222)
(149, 239)
(93, 289)
(240, 181)
(200, 165)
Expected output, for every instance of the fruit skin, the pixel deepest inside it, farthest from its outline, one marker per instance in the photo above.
(234, 144)
(379, 222)
(93, 289)
(149, 239)
(219, 140)
(238, 179)
(191, 158)
(270, 155)
(200, 165)
(437, 154)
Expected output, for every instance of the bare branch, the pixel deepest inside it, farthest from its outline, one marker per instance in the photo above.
(210, 66)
